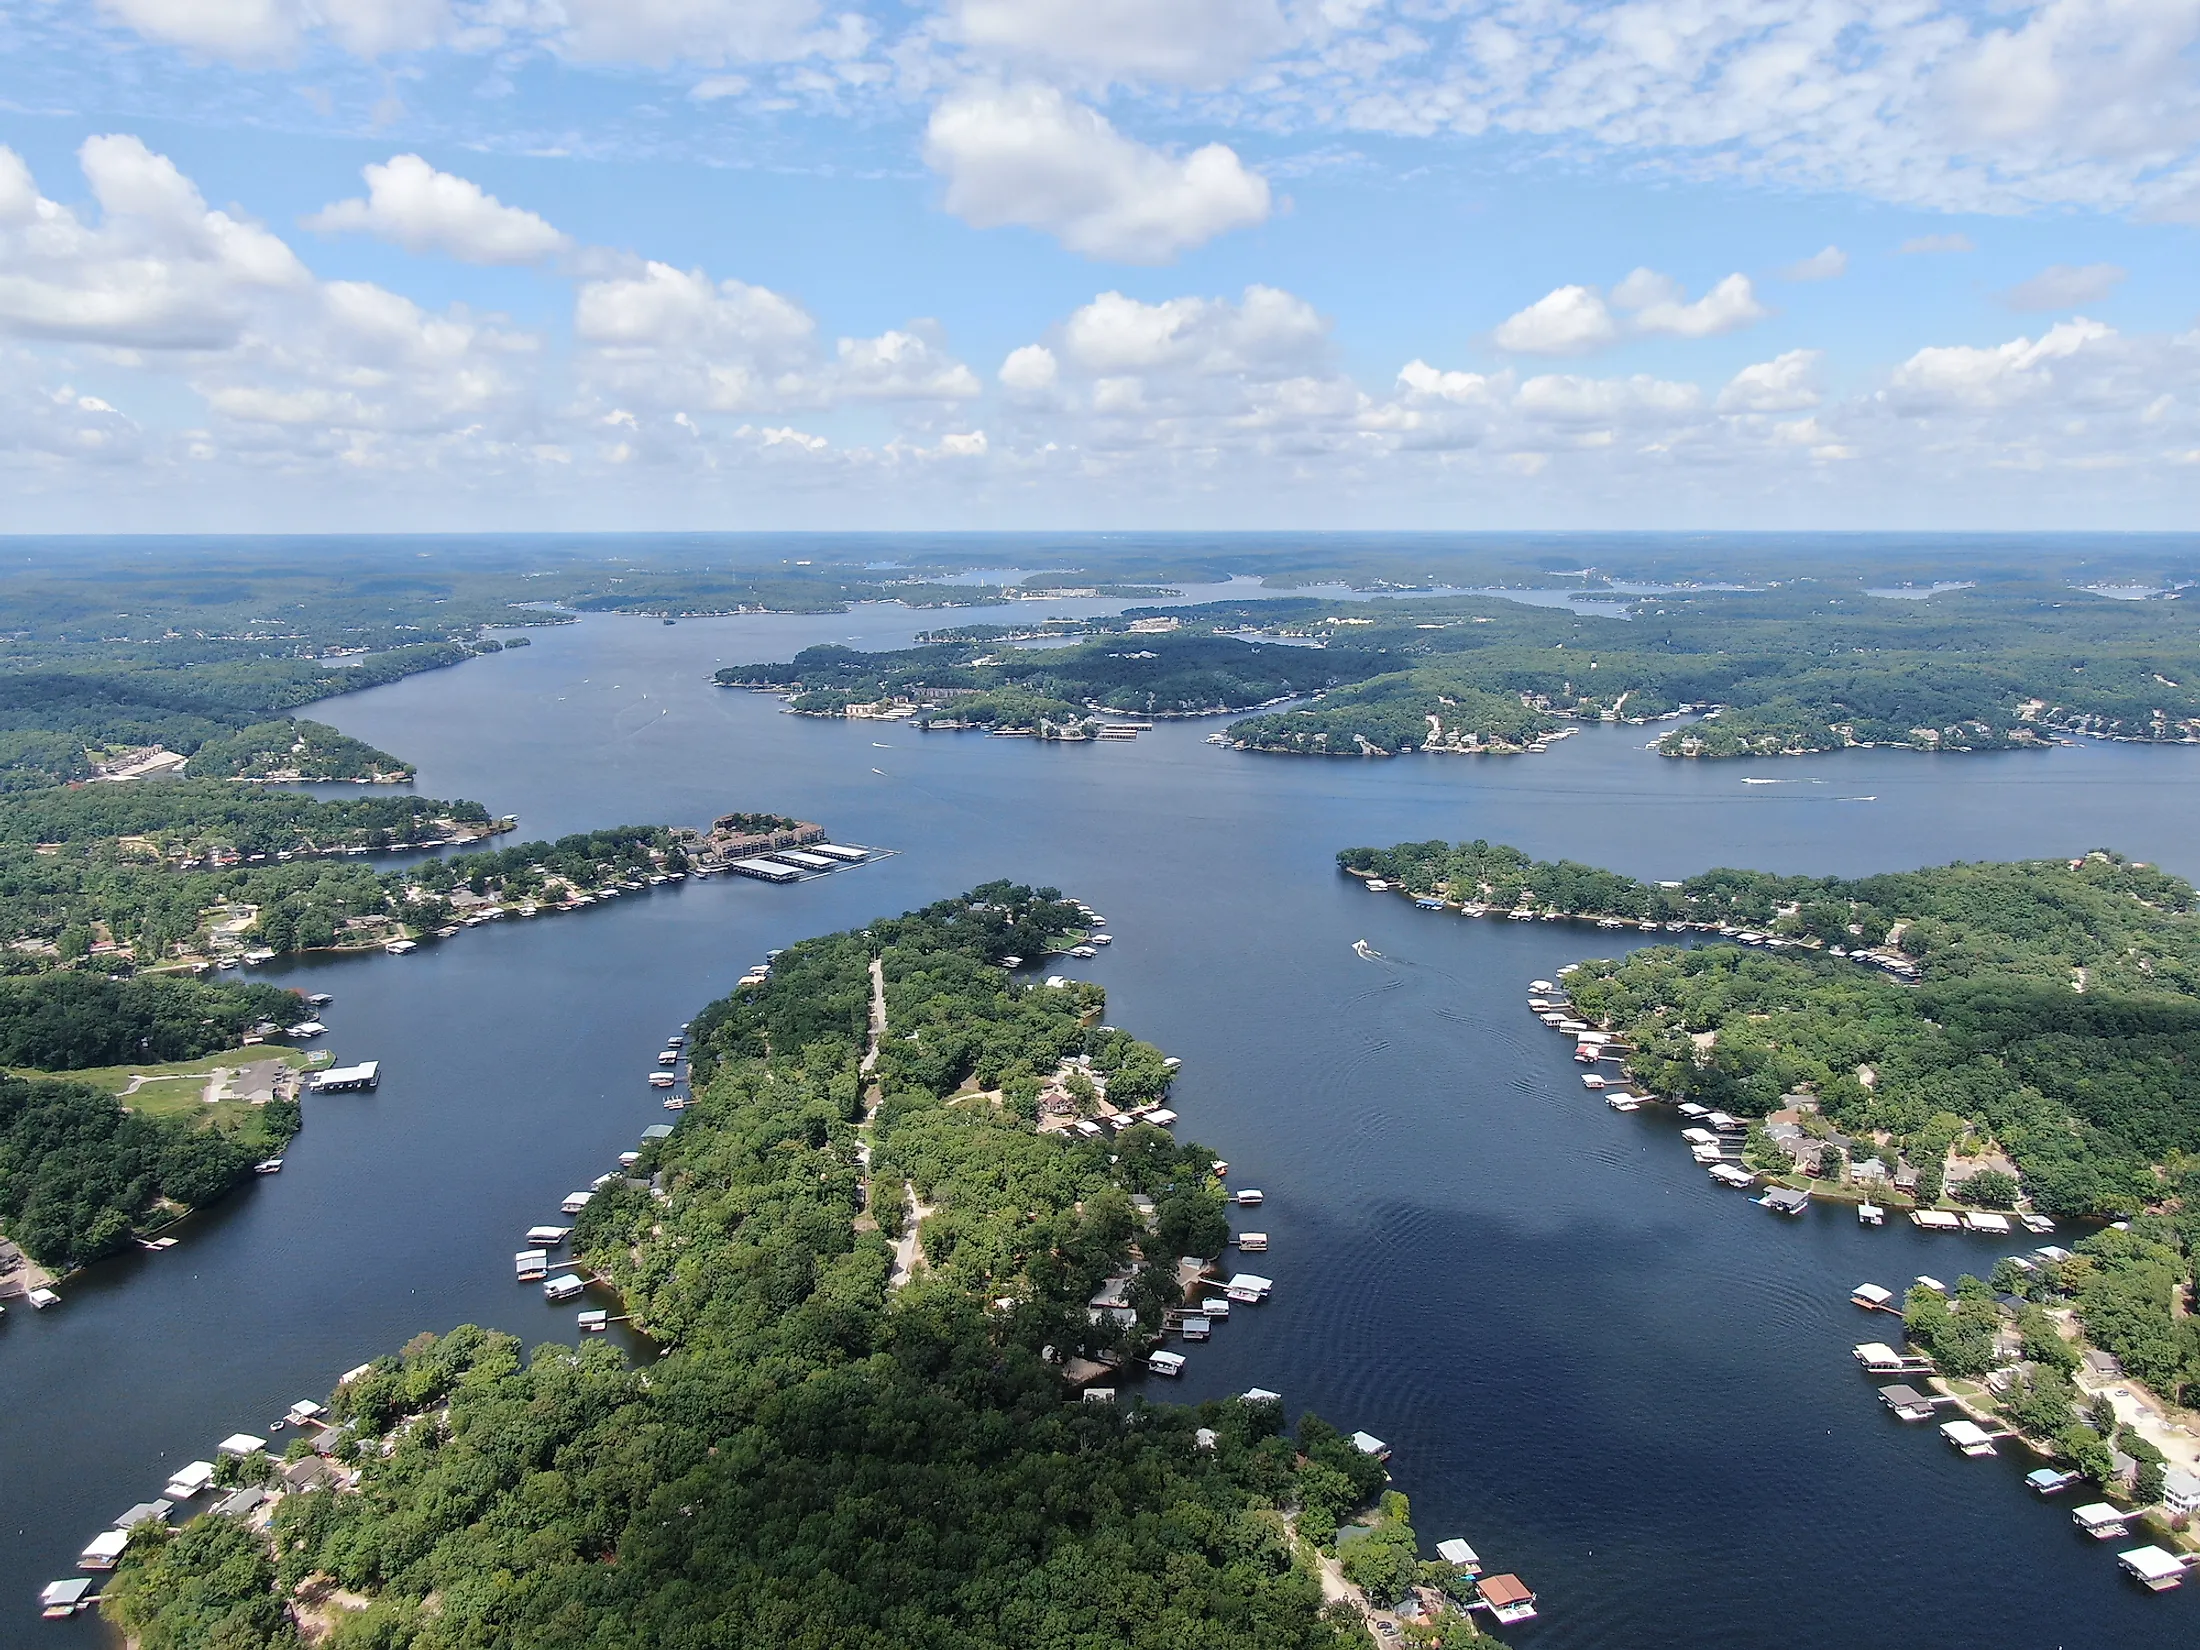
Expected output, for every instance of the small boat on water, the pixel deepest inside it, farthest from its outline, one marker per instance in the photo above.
(273, 1165)
(1366, 952)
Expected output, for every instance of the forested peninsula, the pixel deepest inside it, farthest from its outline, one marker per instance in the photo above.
(822, 1457)
(2021, 1035)
(975, 683)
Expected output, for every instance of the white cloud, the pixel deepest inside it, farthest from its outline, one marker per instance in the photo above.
(1930, 244)
(1660, 305)
(1568, 321)
(160, 271)
(1959, 376)
(1826, 265)
(1565, 398)
(1197, 42)
(1420, 380)
(1786, 383)
(423, 210)
(1030, 370)
(1269, 334)
(1029, 155)
(669, 339)
(901, 366)
(1572, 320)
(2064, 286)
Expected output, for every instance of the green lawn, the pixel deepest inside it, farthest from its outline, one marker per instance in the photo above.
(176, 1086)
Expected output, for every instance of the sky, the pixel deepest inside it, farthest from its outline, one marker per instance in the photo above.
(420, 265)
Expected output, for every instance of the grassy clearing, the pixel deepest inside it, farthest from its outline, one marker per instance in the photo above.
(176, 1085)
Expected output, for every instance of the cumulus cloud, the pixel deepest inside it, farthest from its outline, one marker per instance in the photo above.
(671, 339)
(2064, 286)
(1572, 320)
(161, 270)
(1029, 155)
(1030, 370)
(1960, 376)
(1200, 42)
(1827, 265)
(424, 210)
(1786, 383)
(1568, 321)
(1267, 334)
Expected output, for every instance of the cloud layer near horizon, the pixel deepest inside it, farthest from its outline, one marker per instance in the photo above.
(118, 316)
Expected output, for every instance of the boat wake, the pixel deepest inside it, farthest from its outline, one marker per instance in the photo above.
(1360, 948)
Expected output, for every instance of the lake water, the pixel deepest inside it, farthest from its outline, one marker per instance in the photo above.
(1631, 1388)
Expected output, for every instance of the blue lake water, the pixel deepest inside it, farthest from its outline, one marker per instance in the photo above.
(1631, 1388)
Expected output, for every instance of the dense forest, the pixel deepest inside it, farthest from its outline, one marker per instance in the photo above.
(818, 1461)
(79, 1173)
(1149, 674)
(68, 1021)
(2056, 1018)
(295, 749)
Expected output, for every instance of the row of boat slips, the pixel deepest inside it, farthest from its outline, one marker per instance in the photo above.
(815, 859)
(1989, 1221)
(104, 1551)
(2150, 1566)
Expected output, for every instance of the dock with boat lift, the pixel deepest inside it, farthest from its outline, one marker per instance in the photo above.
(1878, 1358)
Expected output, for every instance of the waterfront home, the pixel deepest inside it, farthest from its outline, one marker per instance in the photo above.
(1459, 1556)
(145, 1512)
(2049, 1481)
(2103, 1366)
(243, 1504)
(1968, 1436)
(1368, 1444)
(1166, 1363)
(1907, 1402)
(61, 1599)
(2099, 1520)
(1507, 1598)
(1873, 1297)
(2153, 1569)
(189, 1481)
(2181, 1492)
(308, 1472)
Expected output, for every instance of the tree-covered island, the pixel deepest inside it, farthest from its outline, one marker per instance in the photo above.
(866, 1280)
(2019, 1037)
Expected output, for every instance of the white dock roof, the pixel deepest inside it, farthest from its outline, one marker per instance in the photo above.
(2151, 1563)
(1456, 1551)
(240, 1443)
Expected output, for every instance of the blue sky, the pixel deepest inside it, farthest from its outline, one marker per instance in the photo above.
(419, 264)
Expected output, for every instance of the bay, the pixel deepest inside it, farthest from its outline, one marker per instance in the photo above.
(1625, 1385)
